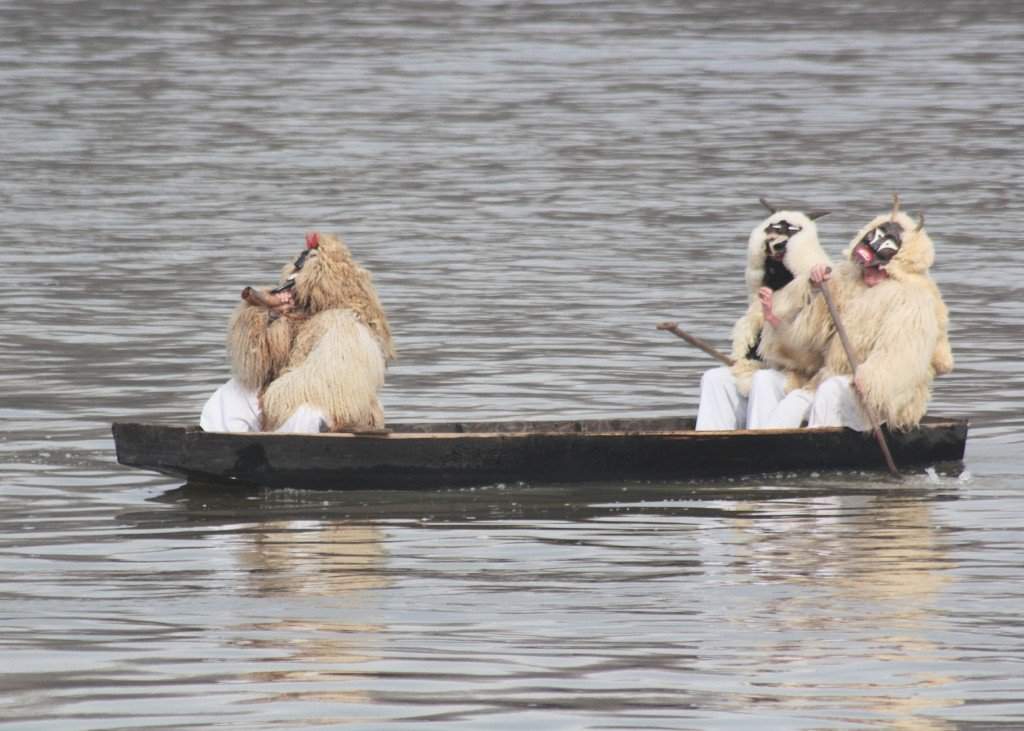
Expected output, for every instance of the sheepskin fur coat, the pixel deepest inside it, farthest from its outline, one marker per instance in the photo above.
(787, 348)
(898, 329)
(330, 354)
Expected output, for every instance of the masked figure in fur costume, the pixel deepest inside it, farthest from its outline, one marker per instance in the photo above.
(768, 342)
(310, 355)
(897, 324)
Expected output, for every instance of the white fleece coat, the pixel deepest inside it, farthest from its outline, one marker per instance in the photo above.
(898, 329)
(785, 349)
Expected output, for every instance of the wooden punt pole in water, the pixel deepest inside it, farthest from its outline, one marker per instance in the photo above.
(879, 437)
(673, 327)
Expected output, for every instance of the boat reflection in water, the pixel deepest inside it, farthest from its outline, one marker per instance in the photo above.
(827, 599)
(322, 578)
(870, 570)
(320, 558)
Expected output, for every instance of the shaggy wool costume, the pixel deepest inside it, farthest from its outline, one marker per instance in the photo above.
(898, 329)
(331, 357)
(786, 348)
(768, 360)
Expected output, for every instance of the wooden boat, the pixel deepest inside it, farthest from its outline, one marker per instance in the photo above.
(427, 455)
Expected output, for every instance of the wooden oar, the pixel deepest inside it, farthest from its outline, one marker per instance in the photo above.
(673, 327)
(883, 445)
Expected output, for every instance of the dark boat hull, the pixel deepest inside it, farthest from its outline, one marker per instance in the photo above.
(427, 456)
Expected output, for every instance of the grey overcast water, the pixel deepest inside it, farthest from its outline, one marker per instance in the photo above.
(534, 185)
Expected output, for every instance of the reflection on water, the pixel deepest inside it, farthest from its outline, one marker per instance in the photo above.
(314, 657)
(308, 557)
(806, 603)
(534, 186)
(871, 569)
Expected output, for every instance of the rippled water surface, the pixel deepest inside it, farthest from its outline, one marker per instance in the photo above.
(534, 186)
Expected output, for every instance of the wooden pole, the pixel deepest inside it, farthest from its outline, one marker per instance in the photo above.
(883, 445)
(673, 327)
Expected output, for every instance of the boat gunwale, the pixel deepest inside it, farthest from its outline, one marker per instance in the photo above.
(452, 432)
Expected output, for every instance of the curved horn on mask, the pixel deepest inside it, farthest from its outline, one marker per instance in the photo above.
(815, 215)
(895, 206)
(767, 205)
(920, 221)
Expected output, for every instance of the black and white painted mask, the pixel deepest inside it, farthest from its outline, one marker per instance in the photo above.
(776, 235)
(879, 245)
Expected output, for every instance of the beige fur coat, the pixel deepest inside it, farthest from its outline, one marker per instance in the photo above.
(331, 356)
(790, 348)
(898, 329)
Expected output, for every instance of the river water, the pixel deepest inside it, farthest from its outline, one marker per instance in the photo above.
(534, 185)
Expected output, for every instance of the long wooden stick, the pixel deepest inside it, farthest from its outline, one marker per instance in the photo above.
(673, 327)
(883, 445)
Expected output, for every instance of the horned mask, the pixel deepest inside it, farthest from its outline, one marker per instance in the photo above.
(881, 243)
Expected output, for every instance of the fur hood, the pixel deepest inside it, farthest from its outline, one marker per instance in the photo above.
(802, 251)
(331, 279)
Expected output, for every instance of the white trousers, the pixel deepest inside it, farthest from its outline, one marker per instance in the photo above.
(722, 407)
(791, 411)
(235, 408)
(835, 403)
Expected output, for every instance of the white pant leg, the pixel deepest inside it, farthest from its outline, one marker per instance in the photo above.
(767, 389)
(305, 420)
(231, 408)
(721, 405)
(791, 411)
(837, 404)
